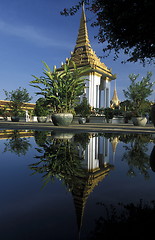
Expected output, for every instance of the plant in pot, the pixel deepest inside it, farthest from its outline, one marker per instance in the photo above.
(61, 90)
(41, 110)
(137, 93)
(109, 113)
(4, 113)
(16, 98)
(125, 108)
(83, 110)
(127, 116)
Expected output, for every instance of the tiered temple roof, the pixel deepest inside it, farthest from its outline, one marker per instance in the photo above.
(83, 189)
(83, 54)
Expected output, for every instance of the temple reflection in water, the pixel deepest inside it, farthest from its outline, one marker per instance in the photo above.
(80, 163)
(97, 165)
(91, 148)
(97, 154)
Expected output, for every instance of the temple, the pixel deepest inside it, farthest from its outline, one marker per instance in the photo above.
(99, 77)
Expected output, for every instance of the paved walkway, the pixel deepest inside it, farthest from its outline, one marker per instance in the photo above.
(88, 127)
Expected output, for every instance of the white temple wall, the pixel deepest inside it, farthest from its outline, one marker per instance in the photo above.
(92, 92)
(98, 96)
(86, 91)
(91, 161)
(98, 146)
(102, 99)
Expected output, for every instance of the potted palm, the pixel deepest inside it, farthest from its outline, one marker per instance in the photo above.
(41, 110)
(137, 94)
(61, 90)
(58, 158)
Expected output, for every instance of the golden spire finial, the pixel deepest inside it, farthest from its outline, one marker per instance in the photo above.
(82, 38)
(115, 100)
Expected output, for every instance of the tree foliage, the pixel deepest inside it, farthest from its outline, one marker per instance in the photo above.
(16, 99)
(19, 95)
(126, 25)
(109, 113)
(138, 92)
(41, 108)
(84, 108)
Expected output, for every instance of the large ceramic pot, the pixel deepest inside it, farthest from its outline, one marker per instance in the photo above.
(62, 119)
(82, 120)
(117, 120)
(15, 119)
(62, 135)
(42, 119)
(139, 121)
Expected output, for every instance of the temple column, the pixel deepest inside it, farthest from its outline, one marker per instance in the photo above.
(106, 93)
(107, 97)
(93, 90)
(102, 98)
(97, 96)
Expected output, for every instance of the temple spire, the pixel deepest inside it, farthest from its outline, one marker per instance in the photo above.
(84, 55)
(82, 39)
(115, 100)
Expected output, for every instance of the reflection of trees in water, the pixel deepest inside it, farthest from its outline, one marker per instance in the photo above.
(136, 149)
(125, 220)
(58, 158)
(61, 156)
(129, 220)
(136, 154)
(40, 137)
(17, 144)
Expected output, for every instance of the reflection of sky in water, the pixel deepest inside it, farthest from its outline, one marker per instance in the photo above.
(29, 212)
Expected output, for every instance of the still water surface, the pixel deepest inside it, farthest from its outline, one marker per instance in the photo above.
(54, 185)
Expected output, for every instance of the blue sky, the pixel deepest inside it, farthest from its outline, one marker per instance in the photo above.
(32, 31)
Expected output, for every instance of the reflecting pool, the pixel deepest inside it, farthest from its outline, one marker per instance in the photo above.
(58, 185)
